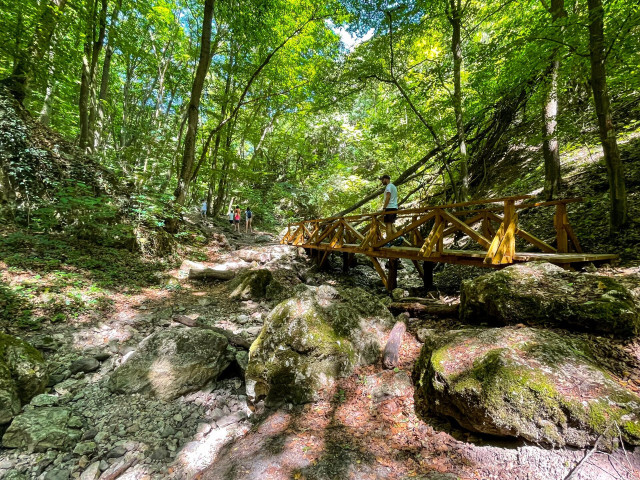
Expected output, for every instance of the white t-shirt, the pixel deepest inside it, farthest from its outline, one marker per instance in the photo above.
(393, 201)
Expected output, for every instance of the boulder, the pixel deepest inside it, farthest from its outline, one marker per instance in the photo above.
(23, 375)
(251, 284)
(173, 362)
(39, 429)
(522, 382)
(540, 293)
(311, 339)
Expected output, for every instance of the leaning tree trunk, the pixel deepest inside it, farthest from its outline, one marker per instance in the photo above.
(617, 190)
(456, 48)
(188, 157)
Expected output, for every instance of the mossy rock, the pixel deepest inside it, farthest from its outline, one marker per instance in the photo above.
(251, 284)
(311, 339)
(528, 383)
(540, 293)
(173, 362)
(23, 375)
(40, 429)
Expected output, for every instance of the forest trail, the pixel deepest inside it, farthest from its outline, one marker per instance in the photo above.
(363, 427)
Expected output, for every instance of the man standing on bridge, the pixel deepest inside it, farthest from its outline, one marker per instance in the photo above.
(390, 204)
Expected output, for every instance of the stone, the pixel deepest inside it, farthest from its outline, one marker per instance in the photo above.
(23, 375)
(116, 452)
(242, 359)
(539, 293)
(61, 474)
(538, 385)
(313, 338)
(92, 472)
(398, 294)
(85, 448)
(251, 284)
(173, 362)
(84, 364)
(45, 400)
(40, 429)
(160, 453)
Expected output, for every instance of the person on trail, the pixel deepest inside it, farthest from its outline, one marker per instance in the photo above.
(248, 214)
(203, 208)
(236, 218)
(231, 216)
(390, 205)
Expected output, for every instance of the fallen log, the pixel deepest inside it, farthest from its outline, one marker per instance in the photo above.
(416, 309)
(391, 355)
(233, 339)
(200, 272)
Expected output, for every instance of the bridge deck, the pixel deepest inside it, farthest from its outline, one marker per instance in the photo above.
(423, 231)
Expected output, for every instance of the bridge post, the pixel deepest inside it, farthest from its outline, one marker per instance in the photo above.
(428, 274)
(345, 262)
(392, 276)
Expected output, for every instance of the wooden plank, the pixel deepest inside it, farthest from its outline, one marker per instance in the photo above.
(463, 227)
(353, 231)
(559, 220)
(573, 238)
(392, 276)
(495, 244)
(413, 225)
(506, 250)
(432, 239)
(419, 268)
(541, 244)
(327, 232)
(380, 270)
(337, 238)
(468, 222)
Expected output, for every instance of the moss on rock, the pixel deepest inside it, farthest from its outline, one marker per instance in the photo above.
(527, 383)
(23, 375)
(540, 293)
(309, 340)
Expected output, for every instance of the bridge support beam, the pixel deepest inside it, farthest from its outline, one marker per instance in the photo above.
(428, 274)
(392, 276)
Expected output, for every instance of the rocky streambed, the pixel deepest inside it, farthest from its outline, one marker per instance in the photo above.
(257, 365)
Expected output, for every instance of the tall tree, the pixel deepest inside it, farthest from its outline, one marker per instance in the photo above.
(454, 15)
(606, 129)
(188, 157)
(92, 47)
(550, 150)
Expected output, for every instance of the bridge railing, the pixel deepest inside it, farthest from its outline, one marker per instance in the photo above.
(491, 223)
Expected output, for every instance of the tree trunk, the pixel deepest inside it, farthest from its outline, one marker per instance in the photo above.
(617, 190)
(104, 78)
(18, 81)
(92, 48)
(455, 14)
(552, 177)
(550, 148)
(194, 104)
(45, 112)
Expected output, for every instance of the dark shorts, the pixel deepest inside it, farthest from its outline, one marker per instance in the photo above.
(236, 221)
(390, 217)
(231, 222)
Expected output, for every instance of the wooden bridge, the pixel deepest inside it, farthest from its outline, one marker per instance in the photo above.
(427, 235)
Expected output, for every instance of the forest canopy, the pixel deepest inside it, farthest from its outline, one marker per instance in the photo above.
(296, 107)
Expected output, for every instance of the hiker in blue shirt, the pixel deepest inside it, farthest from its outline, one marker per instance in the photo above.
(203, 209)
(390, 205)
